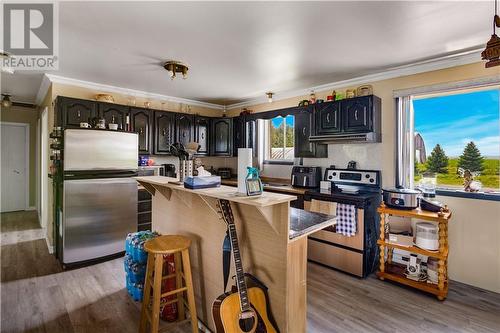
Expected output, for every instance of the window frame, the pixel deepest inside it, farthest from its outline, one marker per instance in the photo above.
(405, 130)
(267, 148)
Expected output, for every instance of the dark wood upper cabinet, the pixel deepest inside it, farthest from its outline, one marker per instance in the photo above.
(251, 135)
(238, 134)
(328, 118)
(222, 137)
(202, 125)
(185, 128)
(164, 132)
(357, 113)
(304, 127)
(141, 122)
(72, 111)
(114, 113)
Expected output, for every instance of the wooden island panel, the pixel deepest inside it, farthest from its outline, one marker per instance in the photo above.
(263, 232)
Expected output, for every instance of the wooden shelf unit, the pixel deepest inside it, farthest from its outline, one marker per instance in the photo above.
(441, 218)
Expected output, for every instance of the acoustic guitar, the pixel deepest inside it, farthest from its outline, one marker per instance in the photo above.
(246, 309)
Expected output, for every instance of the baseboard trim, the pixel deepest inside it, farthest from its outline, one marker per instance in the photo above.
(49, 247)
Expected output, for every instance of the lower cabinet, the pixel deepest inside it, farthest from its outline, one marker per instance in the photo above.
(144, 217)
(221, 143)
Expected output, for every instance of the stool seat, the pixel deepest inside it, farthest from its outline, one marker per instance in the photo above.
(159, 250)
(167, 244)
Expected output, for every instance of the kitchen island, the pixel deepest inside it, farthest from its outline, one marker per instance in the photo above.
(272, 236)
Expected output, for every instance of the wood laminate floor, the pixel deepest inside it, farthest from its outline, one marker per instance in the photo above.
(37, 296)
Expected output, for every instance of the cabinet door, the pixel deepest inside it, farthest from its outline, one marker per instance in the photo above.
(185, 128)
(357, 114)
(164, 132)
(328, 118)
(142, 124)
(202, 134)
(221, 142)
(304, 126)
(251, 136)
(238, 134)
(114, 113)
(75, 111)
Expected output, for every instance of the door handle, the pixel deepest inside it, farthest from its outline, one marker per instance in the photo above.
(163, 132)
(203, 136)
(141, 131)
(328, 117)
(356, 114)
(78, 114)
(304, 131)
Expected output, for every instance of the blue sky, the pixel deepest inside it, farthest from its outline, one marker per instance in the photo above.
(278, 120)
(454, 120)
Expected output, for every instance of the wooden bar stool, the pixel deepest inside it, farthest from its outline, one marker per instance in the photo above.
(157, 248)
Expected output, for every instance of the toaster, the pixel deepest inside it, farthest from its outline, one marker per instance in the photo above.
(307, 177)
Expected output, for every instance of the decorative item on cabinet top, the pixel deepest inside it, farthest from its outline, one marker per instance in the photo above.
(104, 98)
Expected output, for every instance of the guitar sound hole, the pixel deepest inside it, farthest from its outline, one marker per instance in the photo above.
(246, 324)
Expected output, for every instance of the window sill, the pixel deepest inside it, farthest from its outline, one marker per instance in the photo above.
(278, 162)
(469, 195)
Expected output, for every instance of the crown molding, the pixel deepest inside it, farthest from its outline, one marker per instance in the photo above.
(118, 90)
(457, 59)
(42, 90)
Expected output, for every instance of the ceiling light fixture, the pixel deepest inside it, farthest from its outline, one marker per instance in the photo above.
(4, 58)
(492, 51)
(269, 96)
(6, 102)
(174, 67)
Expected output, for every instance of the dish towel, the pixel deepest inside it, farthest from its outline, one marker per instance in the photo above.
(346, 220)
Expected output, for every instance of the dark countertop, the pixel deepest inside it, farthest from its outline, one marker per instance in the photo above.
(303, 222)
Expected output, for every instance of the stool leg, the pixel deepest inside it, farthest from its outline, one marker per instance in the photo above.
(178, 284)
(155, 318)
(186, 263)
(147, 293)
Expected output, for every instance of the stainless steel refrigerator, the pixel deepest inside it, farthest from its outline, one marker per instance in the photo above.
(99, 197)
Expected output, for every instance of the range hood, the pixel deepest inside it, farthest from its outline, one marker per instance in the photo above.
(369, 137)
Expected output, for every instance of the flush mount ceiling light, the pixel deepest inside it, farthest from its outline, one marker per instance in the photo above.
(269, 96)
(4, 58)
(492, 51)
(6, 102)
(173, 67)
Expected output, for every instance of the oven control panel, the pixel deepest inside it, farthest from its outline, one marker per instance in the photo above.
(365, 177)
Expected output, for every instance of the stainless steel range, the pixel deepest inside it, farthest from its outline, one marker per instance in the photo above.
(357, 254)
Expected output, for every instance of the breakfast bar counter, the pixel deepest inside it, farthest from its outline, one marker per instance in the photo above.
(272, 239)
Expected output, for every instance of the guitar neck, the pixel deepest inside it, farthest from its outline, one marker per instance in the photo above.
(238, 264)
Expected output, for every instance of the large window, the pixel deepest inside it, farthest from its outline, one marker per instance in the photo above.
(279, 139)
(456, 133)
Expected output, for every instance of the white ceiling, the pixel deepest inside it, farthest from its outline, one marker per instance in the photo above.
(239, 50)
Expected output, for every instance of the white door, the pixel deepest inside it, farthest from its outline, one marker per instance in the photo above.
(14, 167)
(44, 155)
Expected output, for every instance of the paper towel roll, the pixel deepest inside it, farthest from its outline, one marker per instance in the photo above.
(244, 161)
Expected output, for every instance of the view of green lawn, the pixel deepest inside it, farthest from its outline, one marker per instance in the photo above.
(490, 177)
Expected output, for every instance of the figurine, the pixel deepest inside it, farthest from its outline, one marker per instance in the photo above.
(470, 185)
